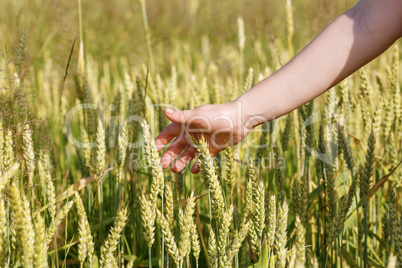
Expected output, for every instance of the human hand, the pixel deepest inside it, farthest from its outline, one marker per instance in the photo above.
(221, 125)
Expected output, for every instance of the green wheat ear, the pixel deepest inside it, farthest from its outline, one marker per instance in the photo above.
(281, 236)
(3, 232)
(23, 223)
(85, 239)
(300, 241)
(113, 239)
(229, 177)
(346, 149)
(169, 238)
(40, 255)
(210, 177)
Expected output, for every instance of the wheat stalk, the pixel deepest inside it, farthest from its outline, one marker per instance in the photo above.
(279, 174)
(286, 134)
(195, 243)
(212, 249)
(169, 238)
(7, 175)
(8, 157)
(169, 214)
(40, 255)
(148, 219)
(347, 150)
(57, 220)
(85, 239)
(237, 240)
(300, 241)
(280, 243)
(249, 80)
(112, 240)
(1, 146)
(3, 232)
(29, 231)
(344, 207)
(223, 235)
(101, 148)
(271, 228)
(87, 151)
(51, 196)
(377, 118)
(207, 167)
(29, 154)
(290, 26)
(229, 178)
(153, 160)
(23, 223)
(395, 88)
(258, 223)
(185, 226)
(248, 206)
(123, 144)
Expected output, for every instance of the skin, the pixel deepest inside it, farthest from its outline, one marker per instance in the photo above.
(353, 39)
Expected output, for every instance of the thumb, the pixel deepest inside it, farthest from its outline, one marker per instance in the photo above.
(178, 116)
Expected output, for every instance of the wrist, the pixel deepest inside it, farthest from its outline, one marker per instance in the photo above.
(249, 116)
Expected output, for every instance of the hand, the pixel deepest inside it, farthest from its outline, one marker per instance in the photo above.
(221, 125)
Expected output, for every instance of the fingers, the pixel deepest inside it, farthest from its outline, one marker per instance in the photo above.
(169, 133)
(174, 151)
(195, 168)
(193, 119)
(178, 116)
(184, 159)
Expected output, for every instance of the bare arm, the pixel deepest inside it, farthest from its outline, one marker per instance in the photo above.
(349, 42)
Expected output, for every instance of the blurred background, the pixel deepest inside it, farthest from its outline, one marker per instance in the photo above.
(114, 29)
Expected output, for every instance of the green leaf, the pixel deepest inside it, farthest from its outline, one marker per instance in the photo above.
(137, 260)
(348, 257)
(263, 261)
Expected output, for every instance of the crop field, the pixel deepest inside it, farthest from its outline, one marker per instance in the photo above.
(83, 88)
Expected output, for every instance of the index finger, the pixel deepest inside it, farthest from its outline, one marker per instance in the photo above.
(168, 133)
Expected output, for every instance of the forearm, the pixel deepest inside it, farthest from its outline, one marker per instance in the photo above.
(349, 42)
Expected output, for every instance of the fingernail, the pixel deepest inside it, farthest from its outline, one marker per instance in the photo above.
(164, 164)
(169, 110)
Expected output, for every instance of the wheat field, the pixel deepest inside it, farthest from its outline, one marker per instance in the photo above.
(83, 87)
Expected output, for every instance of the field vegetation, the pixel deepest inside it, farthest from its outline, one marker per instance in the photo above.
(83, 87)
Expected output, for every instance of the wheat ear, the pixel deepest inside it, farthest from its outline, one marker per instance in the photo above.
(271, 228)
(185, 237)
(85, 239)
(281, 239)
(300, 241)
(223, 235)
(21, 223)
(112, 240)
(40, 255)
(7, 175)
(229, 178)
(169, 238)
(206, 164)
(57, 220)
(153, 160)
(3, 232)
(279, 174)
(238, 239)
(148, 219)
(212, 249)
(8, 157)
(195, 243)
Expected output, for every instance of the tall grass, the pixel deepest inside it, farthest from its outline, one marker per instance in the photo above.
(294, 194)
